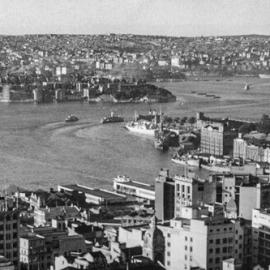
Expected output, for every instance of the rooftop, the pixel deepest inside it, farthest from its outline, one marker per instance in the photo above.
(138, 185)
(107, 195)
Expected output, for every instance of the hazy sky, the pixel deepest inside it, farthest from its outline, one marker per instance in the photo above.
(165, 17)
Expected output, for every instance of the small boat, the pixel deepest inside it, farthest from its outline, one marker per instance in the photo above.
(247, 87)
(112, 119)
(71, 118)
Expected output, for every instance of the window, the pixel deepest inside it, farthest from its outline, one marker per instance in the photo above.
(186, 238)
(217, 250)
(191, 239)
(190, 249)
(185, 247)
(168, 263)
(211, 241)
(168, 253)
(217, 260)
(210, 250)
(224, 250)
(168, 244)
(217, 241)
(168, 235)
(224, 240)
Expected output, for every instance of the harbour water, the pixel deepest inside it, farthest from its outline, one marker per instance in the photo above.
(38, 149)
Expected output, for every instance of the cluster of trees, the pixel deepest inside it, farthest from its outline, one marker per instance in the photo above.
(179, 120)
(262, 126)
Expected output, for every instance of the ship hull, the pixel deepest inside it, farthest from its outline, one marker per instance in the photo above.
(264, 76)
(140, 130)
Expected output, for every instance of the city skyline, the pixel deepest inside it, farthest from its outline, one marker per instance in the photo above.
(152, 17)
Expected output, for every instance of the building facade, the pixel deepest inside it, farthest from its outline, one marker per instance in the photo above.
(164, 196)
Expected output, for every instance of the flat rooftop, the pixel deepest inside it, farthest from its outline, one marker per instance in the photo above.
(137, 185)
(107, 195)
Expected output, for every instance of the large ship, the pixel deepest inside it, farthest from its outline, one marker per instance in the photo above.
(264, 76)
(112, 119)
(144, 125)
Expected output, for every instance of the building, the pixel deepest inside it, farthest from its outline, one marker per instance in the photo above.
(164, 196)
(124, 185)
(9, 229)
(154, 243)
(193, 192)
(253, 197)
(33, 253)
(261, 237)
(216, 139)
(239, 147)
(44, 216)
(94, 195)
(202, 242)
(39, 246)
(131, 236)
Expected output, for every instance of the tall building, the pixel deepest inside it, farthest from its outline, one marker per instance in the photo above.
(9, 228)
(217, 138)
(239, 147)
(261, 237)
(164, 196)
(193, 192)
(202, 242)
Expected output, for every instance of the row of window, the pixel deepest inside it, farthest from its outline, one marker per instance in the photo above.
(219, 241)
(219, 229)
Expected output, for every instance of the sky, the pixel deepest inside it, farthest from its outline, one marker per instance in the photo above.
(151, 17)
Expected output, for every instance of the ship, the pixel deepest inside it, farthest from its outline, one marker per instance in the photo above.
(264, 76)
(188, 160)
(111, 119)
(71, 118)
(144, 125)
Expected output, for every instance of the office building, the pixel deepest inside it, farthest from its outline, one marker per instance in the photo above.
(193, 192)
(202, 242)
(164, 196)
(9, 229)
(261, 237)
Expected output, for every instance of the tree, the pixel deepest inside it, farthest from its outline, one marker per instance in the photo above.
(192, 120)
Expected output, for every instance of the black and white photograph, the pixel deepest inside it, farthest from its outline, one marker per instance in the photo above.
(135, 134)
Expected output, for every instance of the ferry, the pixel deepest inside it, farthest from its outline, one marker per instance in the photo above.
(71, 118)
(111, 119)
